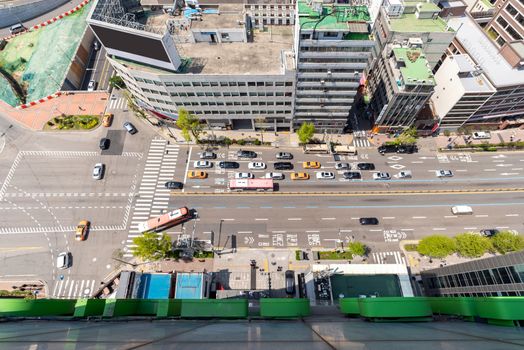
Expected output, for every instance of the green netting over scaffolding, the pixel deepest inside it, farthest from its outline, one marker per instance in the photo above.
(38, 60)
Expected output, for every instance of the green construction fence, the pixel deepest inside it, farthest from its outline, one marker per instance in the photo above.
(284, 307)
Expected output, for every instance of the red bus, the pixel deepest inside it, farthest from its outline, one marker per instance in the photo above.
(165, 221)
(251, 185)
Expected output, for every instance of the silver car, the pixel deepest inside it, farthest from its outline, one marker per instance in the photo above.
(244, 176)
(98, 171)
(342, 166)
(444, 173)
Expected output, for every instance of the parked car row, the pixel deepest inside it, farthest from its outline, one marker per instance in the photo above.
(402, 148)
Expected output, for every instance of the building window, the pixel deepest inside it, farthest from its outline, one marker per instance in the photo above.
(224, 36)
(513, 33)
(511, 10)
(502, 22)
(330, 34)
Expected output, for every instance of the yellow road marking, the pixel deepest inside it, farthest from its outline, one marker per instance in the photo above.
(351, 194)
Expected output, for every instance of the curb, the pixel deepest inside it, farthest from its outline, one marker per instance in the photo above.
(42, 100)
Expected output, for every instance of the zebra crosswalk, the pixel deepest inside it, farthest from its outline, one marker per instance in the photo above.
(153, 197)
(117, 103)
(70, 288)
(384, 257)
(360, 139)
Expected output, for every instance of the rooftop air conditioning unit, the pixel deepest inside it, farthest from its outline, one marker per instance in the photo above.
(329, 72)
(322, 82)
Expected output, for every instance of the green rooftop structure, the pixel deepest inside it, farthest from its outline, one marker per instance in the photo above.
(316, 15)
(416, 70)
(410, 23)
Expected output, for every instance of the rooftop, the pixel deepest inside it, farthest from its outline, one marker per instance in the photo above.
(470, 80)
(331, 17)
(485, 53)
(416, 68)
(409, 23)
(262, 56)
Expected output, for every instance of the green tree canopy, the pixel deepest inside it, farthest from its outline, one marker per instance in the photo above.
(505, 242)
(305, 132)
(151, 246)
(117, 82)
(471, 245)
(357, 248)
(436, 246)
(188, 123)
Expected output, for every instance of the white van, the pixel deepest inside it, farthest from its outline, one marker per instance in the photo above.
(17, 28)
(461, 210)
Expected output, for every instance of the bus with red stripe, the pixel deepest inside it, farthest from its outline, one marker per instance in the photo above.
(166, 220)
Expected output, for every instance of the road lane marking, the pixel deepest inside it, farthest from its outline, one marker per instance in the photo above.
(461, 170)
(407, 229)
(245, 232)
(490, 169)
(294, 219)
(481, 216)
(512, 214)
(417, 162)
(312, 231)
(501, 227)
(449, 216)
(328, 218)
(470, 228)
(277, 232)
(261, 219)
(419, 217)
(388, 217)
(374, 230)
(227, 219)
(187, 166)
(439, 229)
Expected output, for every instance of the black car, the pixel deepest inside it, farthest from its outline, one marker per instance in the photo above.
(409, 149)
(283, 166)
(351, 175)
(229, 165)
(284, 155)
(387, 148)
(366, 166)
(104, 143)
(290, 282)
(368, 221)
(174, 185)
(246, 154)
(489, 232)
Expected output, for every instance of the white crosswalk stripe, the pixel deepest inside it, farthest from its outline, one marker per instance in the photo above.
(71, 289)
(383, 257)
(361, 143)
(118, 103)
(153, 197)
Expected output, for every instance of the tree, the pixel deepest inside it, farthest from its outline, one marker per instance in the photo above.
(188, 123)
(436, 246)
(408, 136)
(357, 248)
(117, 82)
(505, 242)
(151, 246)
(305, 132)
(470, 245)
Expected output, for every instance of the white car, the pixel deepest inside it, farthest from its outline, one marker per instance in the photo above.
(325, 175)
(202, 164)
(98, 171)
(256, 165)
(63, 260)
(405, 174)
(479, 135)
(91, 86)
(274, 176)
(342, 166)
(444, 173)
(244, 176)
(381, 176)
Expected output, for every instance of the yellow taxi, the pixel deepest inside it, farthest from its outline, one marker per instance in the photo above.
(81, 230)
(299, 176)
(311, 165)
(197, 174)
(107, 120)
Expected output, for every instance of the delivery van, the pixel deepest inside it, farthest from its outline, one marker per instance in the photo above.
(461, 210)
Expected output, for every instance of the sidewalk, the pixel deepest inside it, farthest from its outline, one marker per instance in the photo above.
(497, 136)
(77, 103)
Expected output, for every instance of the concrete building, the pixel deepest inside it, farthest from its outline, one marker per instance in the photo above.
(208, 59)
(507, 24)
(333, 47)
(400, 85)
(501, 66)
(417, 20)
(461, 89)
(496, 276)
(277, 12)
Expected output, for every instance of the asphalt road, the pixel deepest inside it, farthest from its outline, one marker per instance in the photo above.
(57, 11)
(470, 171)
(47, 187)
(318, 221)
(98, 69)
